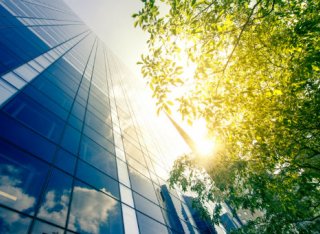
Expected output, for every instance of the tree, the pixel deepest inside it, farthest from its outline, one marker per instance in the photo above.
(256, 83)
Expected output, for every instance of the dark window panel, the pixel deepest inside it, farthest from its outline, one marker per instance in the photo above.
(71, 139)
(35, 117)
(75, 122)
(55, 93)
(43, 100)
(8, 59)
(14, 132)
(65, 161)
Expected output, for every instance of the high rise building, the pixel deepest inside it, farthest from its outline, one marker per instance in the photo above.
(72, 157)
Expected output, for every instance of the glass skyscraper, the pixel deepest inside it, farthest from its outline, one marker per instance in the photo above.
(72, 157)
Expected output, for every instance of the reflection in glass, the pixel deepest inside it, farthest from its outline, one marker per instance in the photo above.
(148, 225)
(98, 156)
(21, 179)
(147, 207)
(54, 207)
(97, 179)
(40, 227)
(65, 161)
(12, 222)
(94, 212)
(142, 185)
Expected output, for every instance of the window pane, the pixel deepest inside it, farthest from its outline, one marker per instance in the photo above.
(36, 117)
(148, 225)
(12, 222)
(147, 207)
(97, 179)
(25, 138)
(96, 155)
(22, 178)
(65, 161)
(54, 207)
(40, 227)
(94, 212)
(142, 185)
(70, 140)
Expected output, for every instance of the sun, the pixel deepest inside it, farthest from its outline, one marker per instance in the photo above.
(205, 145)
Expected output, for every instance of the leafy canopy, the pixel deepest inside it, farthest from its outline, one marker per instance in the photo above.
(256, 83)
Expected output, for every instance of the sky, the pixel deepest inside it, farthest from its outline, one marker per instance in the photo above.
(111, 20)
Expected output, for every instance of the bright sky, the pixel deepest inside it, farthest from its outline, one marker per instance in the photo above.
(111, 20)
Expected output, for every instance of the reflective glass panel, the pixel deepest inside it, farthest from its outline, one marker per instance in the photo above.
(22, 178)
(94, 212)
(12, 222)
(98, 156)
(147, 207)
(54, 206)
(36, 117)
(148, 225)
(142, 185)
(44, 228)
(65, 161)
(97, 179)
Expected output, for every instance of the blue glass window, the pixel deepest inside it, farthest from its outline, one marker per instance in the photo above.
(65, 161)
(101, 139)
(97, 179)
(94, 212)
(71, 139)
(54, 206)
(22, 178)
(148, 225)
(12, 222)
(75, 122)
(56, 93)
(96, 155)
(142, 185)
(36, 117)
(148, 207)
(44, 228)
(8, 59)
(78, 110)
(45, 102)
(25, 138)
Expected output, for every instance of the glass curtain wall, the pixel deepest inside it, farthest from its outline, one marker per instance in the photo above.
(72, 157)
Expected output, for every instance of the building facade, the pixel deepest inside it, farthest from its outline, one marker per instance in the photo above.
(72, 156)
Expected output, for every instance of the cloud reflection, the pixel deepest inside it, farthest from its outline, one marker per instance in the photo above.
(55, 206)
(11, 185)
(90, 210)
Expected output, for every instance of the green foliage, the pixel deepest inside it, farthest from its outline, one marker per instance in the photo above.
(257, 85)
